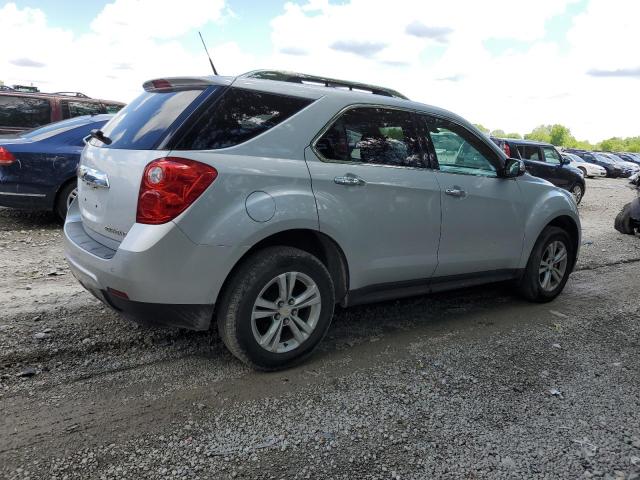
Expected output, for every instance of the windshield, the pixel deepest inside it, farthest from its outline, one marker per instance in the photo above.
(56, 128)
(602, 158)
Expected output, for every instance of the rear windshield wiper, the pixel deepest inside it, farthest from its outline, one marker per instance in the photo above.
(99, 135)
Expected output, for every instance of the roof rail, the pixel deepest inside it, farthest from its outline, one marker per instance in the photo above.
(304, 78)
(71, 94)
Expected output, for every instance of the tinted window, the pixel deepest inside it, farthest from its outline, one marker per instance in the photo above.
(112, 107)
(73, 108)
(530, 152)
(239, 116)
(372, 135)
(459, 151)
(551, 156)
(24, 111)
(142, 123)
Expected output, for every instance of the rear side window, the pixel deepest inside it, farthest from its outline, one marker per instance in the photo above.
(530, 152)
(372, 135)
(27, 112)
(144, 121)
(73, 108)
(113, 107)
(239, 116)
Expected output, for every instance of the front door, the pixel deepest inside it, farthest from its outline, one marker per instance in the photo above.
(482, 225)
(376, 196)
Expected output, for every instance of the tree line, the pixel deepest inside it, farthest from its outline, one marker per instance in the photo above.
(561, 136)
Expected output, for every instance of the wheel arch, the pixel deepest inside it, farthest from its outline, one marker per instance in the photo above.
(322, 246)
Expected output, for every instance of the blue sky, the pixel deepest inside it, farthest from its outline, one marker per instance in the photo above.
(509, 64)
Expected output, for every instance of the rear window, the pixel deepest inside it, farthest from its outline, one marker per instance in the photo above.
(53, 129)
(26, 112)
(239, 116)
(142, 123)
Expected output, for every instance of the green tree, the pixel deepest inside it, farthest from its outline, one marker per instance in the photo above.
(560, 136)
(513, 135)
(481, 127)
(541, 133)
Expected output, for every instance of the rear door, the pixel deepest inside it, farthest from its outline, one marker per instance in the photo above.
(376, 196)
(482, 225)
(110, 174)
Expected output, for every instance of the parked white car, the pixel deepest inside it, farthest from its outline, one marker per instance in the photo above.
(588, 169)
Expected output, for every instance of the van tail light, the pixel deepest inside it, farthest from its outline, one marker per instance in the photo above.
(507, 149)
(6, 157)
(169, 185)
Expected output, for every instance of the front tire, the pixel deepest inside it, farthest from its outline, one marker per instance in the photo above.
(277, 307)
(549, 266)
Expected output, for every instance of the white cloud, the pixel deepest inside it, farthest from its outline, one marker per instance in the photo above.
(433, 52)
(130, 42)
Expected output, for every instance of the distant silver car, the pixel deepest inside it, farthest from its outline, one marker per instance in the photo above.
(587, 169)
(259, 202)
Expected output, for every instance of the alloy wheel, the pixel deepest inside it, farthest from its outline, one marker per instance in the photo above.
(576, 191)
(553, 265)
(286, 312)
(71, 197)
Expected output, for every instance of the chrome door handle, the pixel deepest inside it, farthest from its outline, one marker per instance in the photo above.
(349, 179)
(456, 192)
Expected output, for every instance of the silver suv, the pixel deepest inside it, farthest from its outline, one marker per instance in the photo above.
(259, 202)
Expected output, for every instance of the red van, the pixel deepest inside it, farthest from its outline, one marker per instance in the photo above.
(21, 111)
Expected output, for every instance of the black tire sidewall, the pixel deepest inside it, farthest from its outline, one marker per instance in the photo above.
(61, 201)
(259, 277)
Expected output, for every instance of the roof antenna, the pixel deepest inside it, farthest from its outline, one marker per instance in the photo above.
(215, 72)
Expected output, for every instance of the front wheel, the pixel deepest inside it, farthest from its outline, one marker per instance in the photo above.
(548, 267)
(276, 308)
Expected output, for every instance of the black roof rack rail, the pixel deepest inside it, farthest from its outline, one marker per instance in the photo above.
(304, 78)
(71, 94)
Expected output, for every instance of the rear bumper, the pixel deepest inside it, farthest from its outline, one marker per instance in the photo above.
(167, 279)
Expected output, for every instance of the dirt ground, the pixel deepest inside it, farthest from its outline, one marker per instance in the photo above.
(469, 384)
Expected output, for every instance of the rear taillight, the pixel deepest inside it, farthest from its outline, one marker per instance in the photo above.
(169, 185)
(6, 157)
(507, 149)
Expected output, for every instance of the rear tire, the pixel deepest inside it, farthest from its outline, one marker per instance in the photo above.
(66, 195)
(578, 192)
(261, 315)
(532, 285)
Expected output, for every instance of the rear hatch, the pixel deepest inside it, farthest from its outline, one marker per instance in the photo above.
(110, 171)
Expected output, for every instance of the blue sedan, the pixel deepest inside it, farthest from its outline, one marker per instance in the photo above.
(38, 167)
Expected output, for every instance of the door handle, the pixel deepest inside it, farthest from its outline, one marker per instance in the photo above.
(349, 179)
(456, 192)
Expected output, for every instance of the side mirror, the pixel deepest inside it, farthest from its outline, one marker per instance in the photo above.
(564, 161)
(513, 167)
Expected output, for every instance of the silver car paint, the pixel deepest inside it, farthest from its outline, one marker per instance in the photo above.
(389, 229)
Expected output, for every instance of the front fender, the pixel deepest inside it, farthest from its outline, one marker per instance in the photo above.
(544, 203)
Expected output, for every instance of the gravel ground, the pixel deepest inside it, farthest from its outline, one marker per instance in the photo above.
(472, 384)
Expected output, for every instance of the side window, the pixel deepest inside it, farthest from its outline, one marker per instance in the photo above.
(27, 112)
(530, 152)
(239, 116)
(372, 135)
(551, 156)
(72, 108)
(459, 151)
